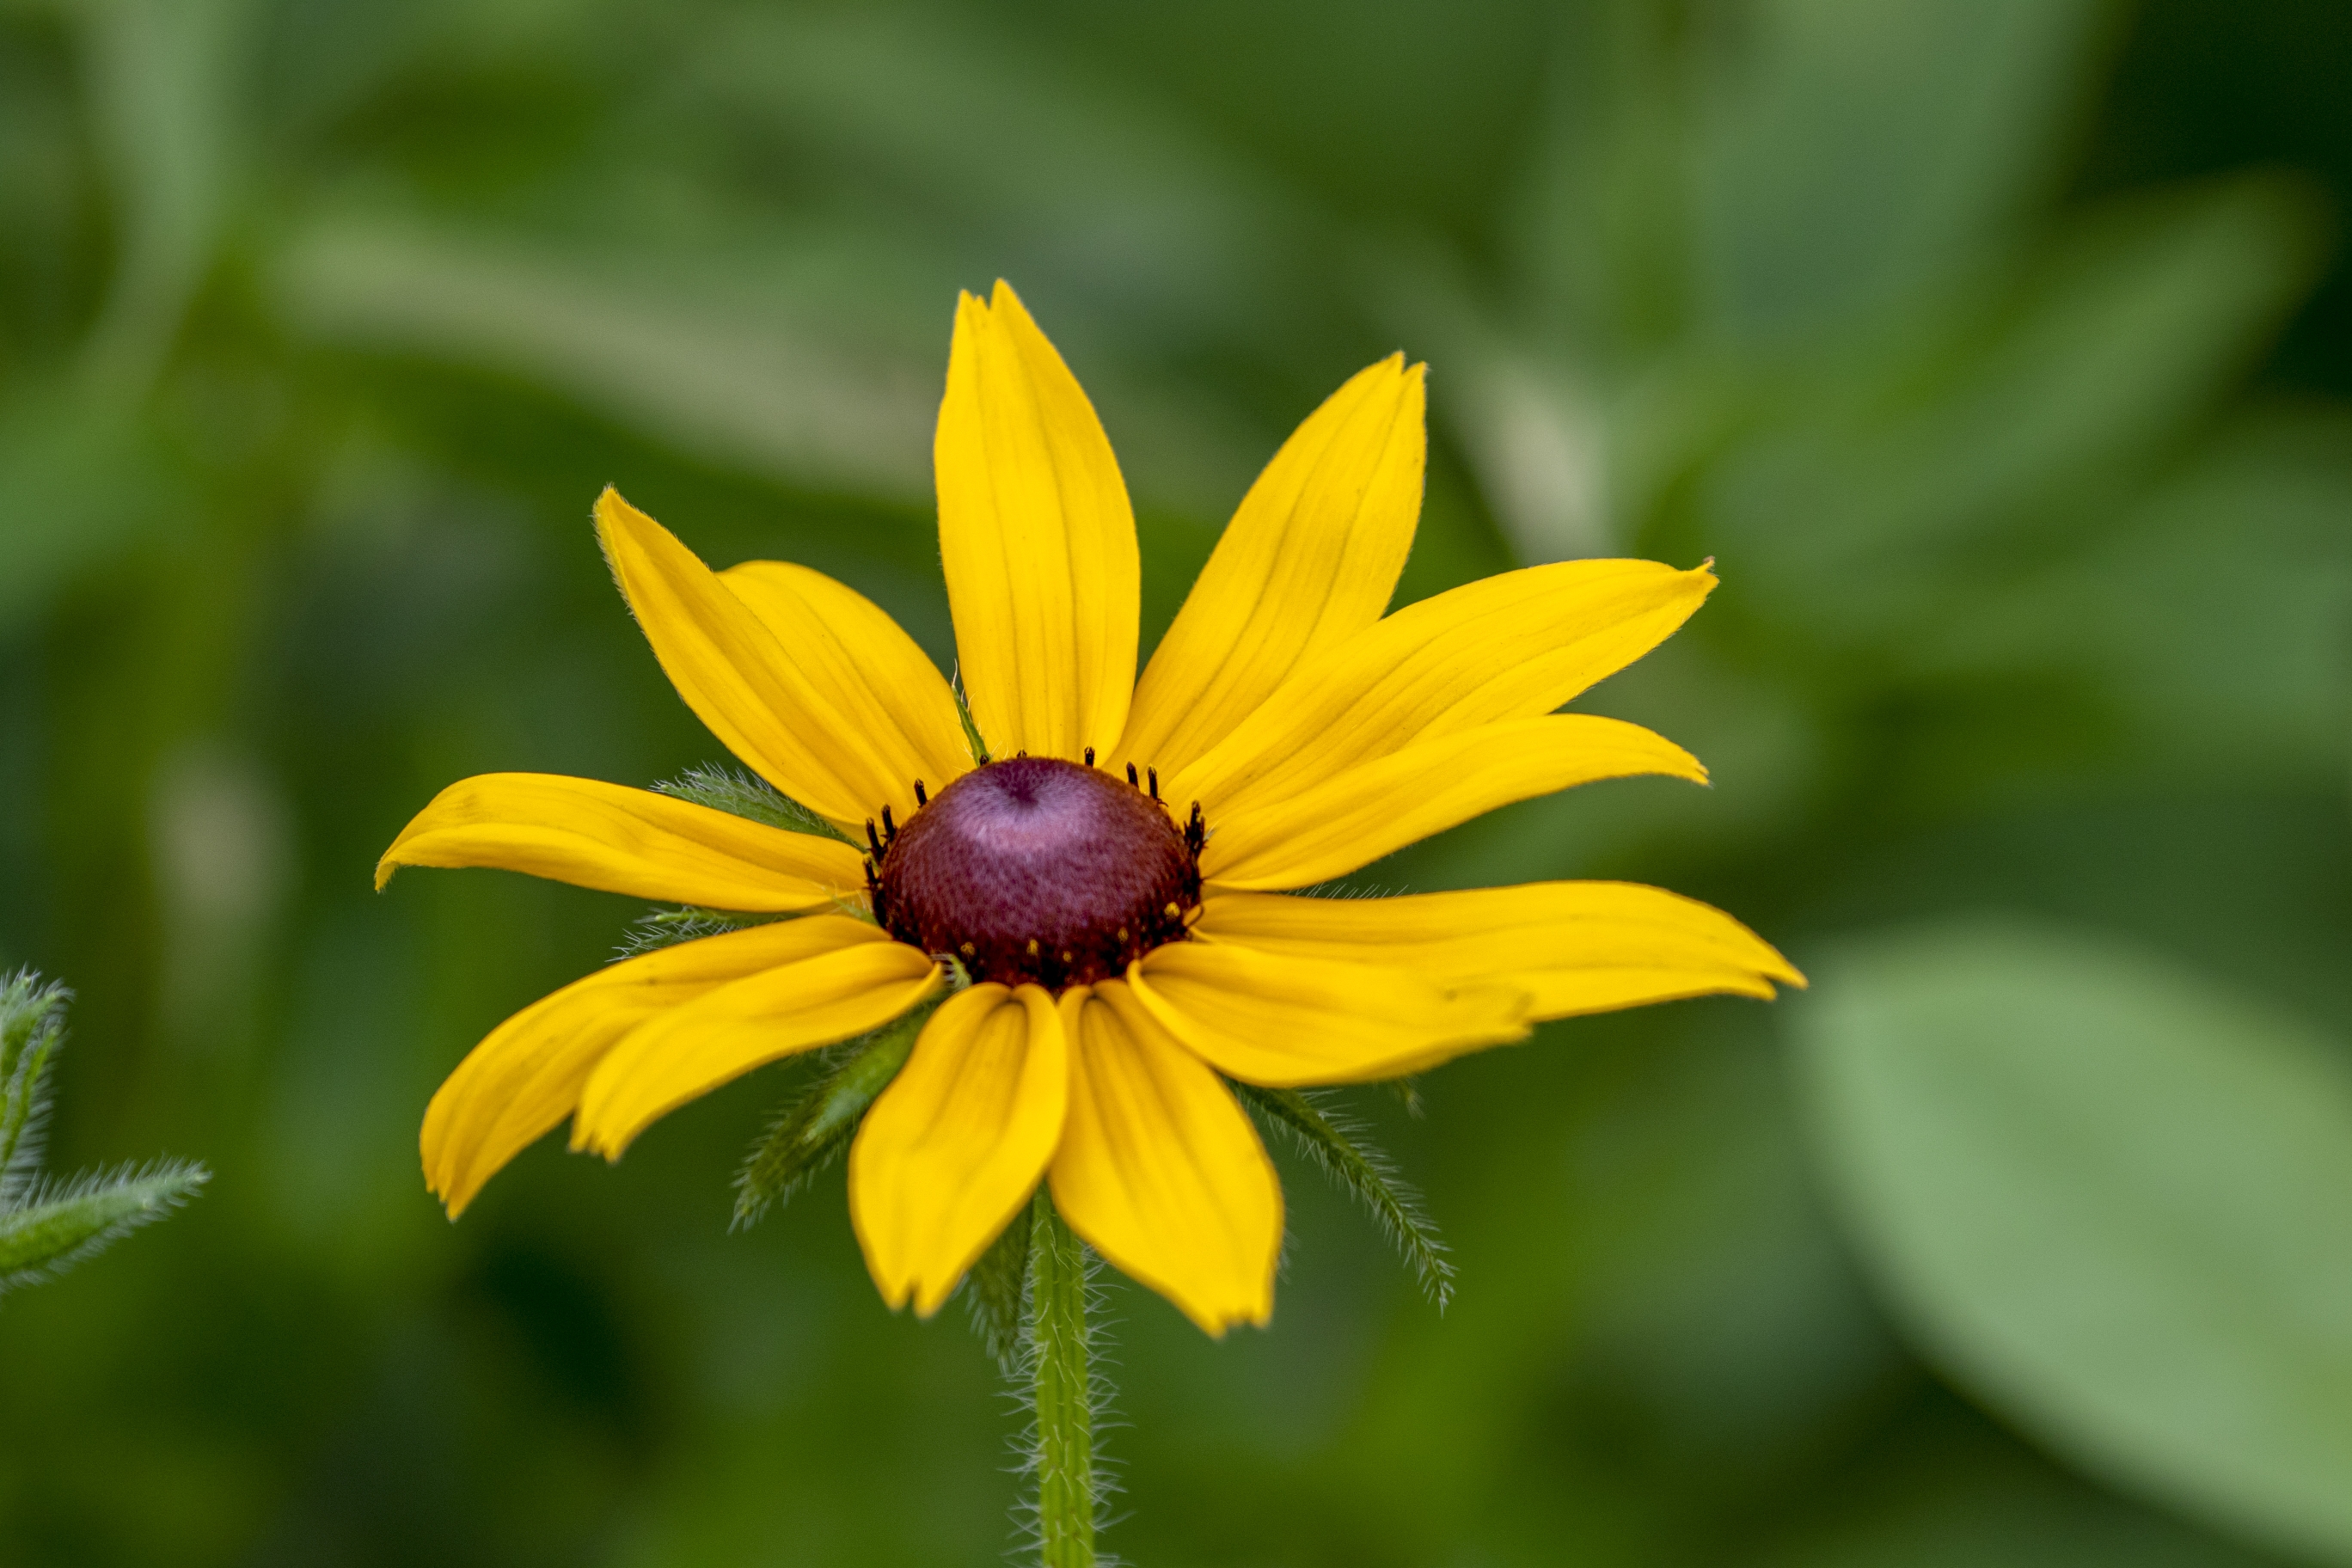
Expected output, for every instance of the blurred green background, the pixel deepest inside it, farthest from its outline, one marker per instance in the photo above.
(1994, 348)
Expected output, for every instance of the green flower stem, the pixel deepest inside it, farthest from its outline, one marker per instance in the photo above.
(1065, 1417)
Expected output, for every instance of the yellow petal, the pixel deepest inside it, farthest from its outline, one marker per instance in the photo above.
(782, 716)
(1285, 1021)
(1574, 947)
(526, 1076)
(867, 668)
(1309, 559)
(1510, 647)
(624, 840)
(1159, 1169)
(1037, 539)
(830, 978)
(957, 1143)
(1332, 828)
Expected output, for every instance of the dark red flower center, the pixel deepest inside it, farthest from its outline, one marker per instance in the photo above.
(1036, 869)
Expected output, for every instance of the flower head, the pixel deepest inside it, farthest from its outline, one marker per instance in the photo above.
(1099, 870)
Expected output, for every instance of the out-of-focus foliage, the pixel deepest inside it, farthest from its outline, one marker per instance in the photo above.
(2113, 1196)
(322, 321)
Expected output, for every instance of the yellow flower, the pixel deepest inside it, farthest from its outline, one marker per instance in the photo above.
(1126, 956)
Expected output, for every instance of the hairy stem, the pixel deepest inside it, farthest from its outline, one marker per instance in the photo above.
(1065, 1417)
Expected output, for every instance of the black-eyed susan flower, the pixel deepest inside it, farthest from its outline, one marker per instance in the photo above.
(1099, 872)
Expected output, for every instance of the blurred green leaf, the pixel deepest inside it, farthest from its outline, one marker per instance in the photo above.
(2212, 614)
(164, 75)
(2109, 1198)
(2009, 419)
(746, 386)
(80, 481)
(1023, 146)
(1849, 155)
(1600, 223)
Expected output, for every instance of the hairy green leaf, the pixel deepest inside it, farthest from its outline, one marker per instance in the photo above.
(813, 1128)
(1337, 1143)
(993, 1293)
(32, 1022)
(685, 923)
(740, 794)
(45, 1229)
(58, 1229)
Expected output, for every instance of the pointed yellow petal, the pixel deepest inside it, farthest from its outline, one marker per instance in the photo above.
(1284, 1021)
(1510, 647)
(624, 840)
(867, 668)
(1159, 1169)
(780, 715)
(1037, 539)
(955, 1146)
(526, 1076)
(1332, 828)
(1309, 559)
(830, 977)
(1574, 947)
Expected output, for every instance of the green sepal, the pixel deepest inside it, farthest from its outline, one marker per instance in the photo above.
(815, 1127)
(1338, 1146)
(993, 1293)
(1407, 1091)
(971, 737)
(58, 1229)
(740, 794)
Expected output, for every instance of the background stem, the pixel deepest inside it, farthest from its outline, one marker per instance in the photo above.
(1065, 1428)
